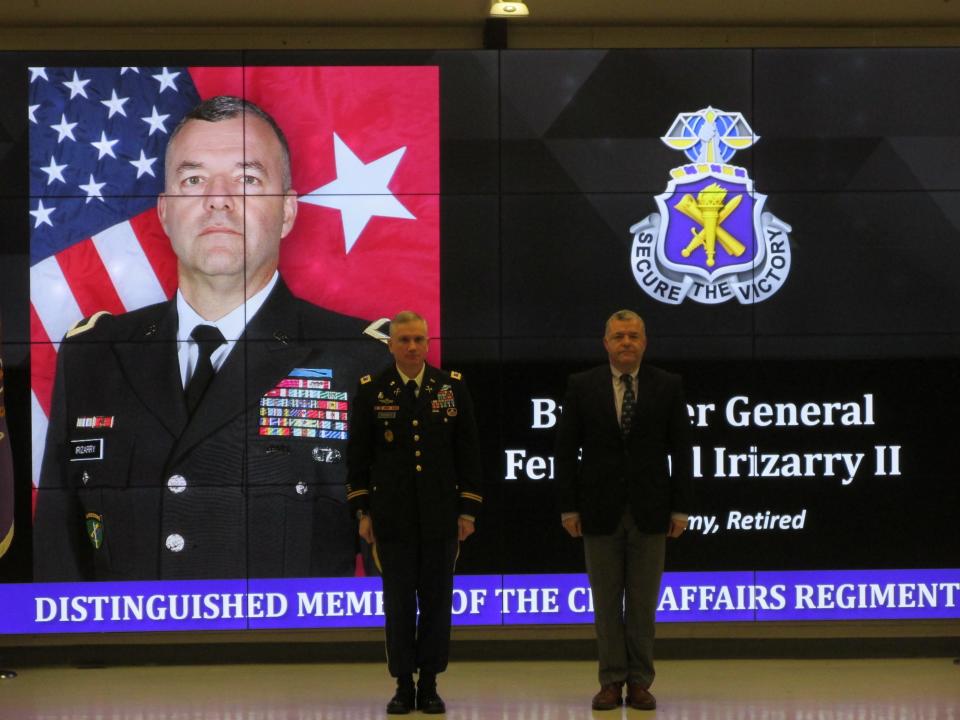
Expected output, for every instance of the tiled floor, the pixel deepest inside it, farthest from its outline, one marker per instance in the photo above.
(916, 689)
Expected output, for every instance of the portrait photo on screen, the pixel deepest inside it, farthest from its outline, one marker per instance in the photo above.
(208, 195)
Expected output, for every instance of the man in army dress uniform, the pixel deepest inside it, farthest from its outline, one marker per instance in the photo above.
(414, 484)
(205, 437)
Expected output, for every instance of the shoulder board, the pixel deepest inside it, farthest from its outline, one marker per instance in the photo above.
(365, 379)
(81, 326)
(455, 375)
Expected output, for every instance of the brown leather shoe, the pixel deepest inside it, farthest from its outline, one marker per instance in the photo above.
(639, 698)
(609, 697)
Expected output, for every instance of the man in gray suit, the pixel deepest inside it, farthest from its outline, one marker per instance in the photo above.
(623, 498)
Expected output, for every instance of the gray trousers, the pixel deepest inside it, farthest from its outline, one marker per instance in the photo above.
(625, 569)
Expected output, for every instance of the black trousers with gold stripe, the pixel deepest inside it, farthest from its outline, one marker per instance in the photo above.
(417, 574)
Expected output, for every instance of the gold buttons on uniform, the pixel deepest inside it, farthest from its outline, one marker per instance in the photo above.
(416, 423)
(417, 453)
(419, 468)
(416, 438)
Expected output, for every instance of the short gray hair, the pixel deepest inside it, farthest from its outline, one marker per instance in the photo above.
(228, 107)
(622, 315)
(406, 316)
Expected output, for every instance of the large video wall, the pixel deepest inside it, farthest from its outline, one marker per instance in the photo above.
(787, 222)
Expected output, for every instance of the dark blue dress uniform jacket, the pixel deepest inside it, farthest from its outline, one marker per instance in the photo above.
(159, 494)
(415, 469)
(615, 473)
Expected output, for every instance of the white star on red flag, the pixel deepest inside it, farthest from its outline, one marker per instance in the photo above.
(360, 191)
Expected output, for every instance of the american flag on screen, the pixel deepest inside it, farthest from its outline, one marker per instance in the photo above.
(364, 145)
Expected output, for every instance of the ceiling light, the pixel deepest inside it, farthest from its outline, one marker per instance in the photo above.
(509, 9)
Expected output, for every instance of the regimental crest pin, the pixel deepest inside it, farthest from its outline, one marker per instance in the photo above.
(713, 239)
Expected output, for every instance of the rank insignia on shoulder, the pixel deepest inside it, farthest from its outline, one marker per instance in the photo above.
(95, 529)
(81, 326)
(365, 379)
(455, 375)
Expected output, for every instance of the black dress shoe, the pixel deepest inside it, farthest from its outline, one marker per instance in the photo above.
(402, 702)
(429, 702)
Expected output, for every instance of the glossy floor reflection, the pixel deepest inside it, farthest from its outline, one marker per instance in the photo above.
(924, 689)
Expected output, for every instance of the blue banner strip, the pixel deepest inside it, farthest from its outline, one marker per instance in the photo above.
(478, 600)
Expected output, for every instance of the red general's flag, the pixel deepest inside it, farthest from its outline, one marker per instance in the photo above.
(364, 145)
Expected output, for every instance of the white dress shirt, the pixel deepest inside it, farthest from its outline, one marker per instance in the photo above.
(418, 379)
(232, 325)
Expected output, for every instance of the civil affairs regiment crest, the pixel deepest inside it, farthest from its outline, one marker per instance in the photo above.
(713, 239)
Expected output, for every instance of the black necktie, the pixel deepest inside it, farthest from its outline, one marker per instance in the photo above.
(626, 410)
(208, 339)
(410, 392)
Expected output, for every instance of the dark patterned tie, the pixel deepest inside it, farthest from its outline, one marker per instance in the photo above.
(208, 339)
(626, 410)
